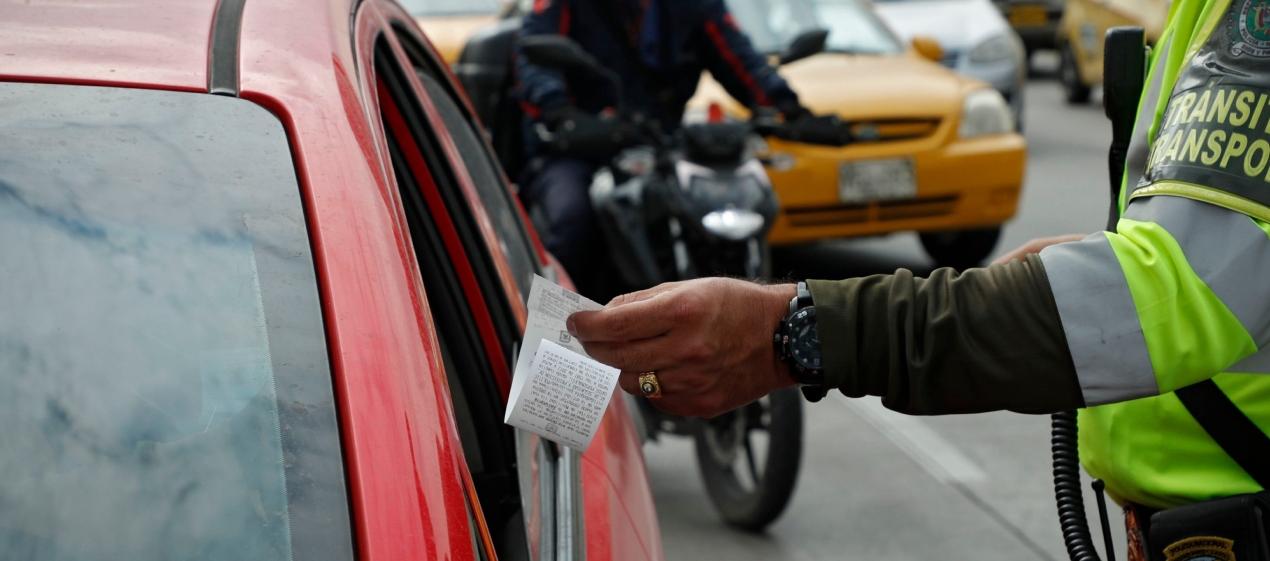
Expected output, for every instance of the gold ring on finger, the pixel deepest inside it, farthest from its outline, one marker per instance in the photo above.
(649, 385)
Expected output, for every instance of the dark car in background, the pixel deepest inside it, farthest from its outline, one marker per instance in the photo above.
(1036, 21)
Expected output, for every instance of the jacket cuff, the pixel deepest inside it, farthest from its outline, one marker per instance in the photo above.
(834, 316)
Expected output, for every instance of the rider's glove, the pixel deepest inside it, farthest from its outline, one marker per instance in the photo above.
(577, 133)
(792, 110)
(817, 129)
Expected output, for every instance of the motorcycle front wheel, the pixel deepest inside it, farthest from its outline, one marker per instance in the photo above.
(749, 459)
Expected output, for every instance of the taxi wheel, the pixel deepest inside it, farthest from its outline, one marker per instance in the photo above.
(749, 459)
(1075, 90)
(960, 250)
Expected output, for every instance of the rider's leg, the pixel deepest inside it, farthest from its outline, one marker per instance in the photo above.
(560, 192)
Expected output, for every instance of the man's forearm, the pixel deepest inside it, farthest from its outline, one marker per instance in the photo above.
(984, 340)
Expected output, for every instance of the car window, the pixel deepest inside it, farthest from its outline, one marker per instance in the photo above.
(462, 302)
(482, 165)
(852, 25)
(483, 169)
(164, 385)
(452, 7)
(549, 506)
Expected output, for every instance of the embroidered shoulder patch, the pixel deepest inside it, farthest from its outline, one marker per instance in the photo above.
(1201, 548)
(1253, 29)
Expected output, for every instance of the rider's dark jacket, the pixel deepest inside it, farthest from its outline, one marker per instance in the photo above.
(659, 48)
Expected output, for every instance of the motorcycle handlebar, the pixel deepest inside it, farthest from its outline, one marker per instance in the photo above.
(825, 130)
(632, 130)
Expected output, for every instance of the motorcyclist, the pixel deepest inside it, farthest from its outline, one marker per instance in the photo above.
(659, 49)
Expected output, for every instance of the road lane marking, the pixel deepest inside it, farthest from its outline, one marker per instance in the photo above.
(939, 457)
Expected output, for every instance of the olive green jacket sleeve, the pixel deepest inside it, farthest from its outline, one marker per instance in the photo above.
(986, 339)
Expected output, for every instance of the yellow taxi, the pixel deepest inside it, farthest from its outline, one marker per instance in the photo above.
(450, 23)
(1081, 32)
(936, 153)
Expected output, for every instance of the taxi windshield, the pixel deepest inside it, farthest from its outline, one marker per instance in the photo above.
(853, 27)
(164, 387)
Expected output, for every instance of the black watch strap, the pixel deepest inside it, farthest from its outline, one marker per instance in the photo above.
(814, 393)
(801, 299)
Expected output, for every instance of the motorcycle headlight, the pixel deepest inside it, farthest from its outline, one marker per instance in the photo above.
(993, 49)
(733, 224)
(985, 112)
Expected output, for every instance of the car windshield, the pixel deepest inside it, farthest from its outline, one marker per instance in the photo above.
(452, 7)
(164, 387)
(853, 27)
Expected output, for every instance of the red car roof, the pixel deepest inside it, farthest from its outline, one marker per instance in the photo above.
(160, 44)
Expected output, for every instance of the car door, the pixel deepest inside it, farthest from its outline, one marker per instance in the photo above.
(620, 518)
(476, 260)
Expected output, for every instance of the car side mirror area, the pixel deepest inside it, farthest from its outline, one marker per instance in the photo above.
(928, 48)
(558, 53)
(806, 44)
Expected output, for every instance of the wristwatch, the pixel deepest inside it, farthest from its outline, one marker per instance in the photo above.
(798, 345)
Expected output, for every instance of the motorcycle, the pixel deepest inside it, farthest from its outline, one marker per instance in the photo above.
(692, 203)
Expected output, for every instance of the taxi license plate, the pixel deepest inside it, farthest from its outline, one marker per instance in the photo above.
(876, 180)
(1028, 16)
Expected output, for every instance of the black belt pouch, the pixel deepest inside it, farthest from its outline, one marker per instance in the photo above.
(1232, 528)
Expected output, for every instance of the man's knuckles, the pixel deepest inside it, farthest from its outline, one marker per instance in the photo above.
(640, 295)
(686, 307)
(697, 352)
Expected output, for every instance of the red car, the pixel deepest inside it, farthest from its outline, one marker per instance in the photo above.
(261, 283)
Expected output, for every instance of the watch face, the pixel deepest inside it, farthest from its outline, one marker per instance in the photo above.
(804, 343)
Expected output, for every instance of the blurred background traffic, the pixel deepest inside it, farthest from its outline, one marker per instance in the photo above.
(977, 126)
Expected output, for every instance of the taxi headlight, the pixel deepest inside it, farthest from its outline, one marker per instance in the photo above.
(985, 112)
(993, 49)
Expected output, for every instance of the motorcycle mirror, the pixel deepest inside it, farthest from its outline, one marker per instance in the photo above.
(557, 52)
(807, 43)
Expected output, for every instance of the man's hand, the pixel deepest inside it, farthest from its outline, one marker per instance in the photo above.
(708, 340)
(1035, 246)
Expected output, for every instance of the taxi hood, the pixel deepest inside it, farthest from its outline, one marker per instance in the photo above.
(862, 87)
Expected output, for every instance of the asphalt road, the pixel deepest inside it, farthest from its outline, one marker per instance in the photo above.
(878, 485)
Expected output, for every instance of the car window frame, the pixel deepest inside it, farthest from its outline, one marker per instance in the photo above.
(505, 194)
(448, 249)
(563, 530)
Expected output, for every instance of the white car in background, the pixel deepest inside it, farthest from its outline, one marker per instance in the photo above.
(976, 40)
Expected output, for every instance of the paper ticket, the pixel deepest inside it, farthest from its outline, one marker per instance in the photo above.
(557, 392)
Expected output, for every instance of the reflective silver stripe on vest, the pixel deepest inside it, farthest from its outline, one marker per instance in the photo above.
(1256, 364)
(1139, 148)
(1099, 320)
(1225, 249)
